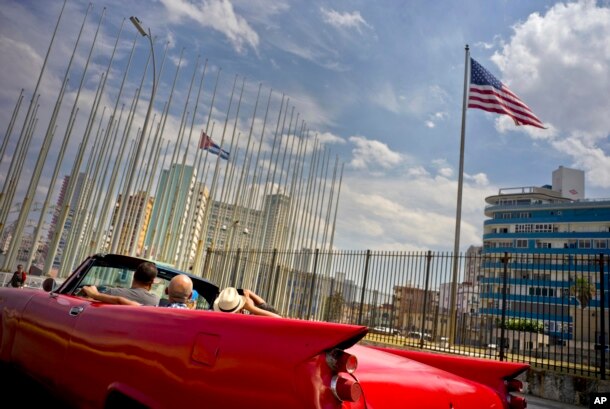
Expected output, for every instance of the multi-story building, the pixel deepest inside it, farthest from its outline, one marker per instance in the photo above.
(232, 227)
(173, 200)
(275, 221)
(78, 188)
(413, 306)
(139, 208)
(553, 237)
(193, 233)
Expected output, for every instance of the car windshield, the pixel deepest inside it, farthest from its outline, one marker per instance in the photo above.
(104, 276)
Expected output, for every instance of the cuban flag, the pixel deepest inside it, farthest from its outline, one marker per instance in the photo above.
(207, 143)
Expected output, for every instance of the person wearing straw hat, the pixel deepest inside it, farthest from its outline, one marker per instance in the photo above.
(231, 301)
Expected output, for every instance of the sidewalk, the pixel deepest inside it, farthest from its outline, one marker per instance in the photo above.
(534, 402)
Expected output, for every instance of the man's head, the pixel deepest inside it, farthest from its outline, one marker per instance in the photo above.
(19, 267)
(145, 274)
(180, 288)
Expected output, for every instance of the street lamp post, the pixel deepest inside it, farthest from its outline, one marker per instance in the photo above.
(229, 230)
(132, 169)
(228, 242)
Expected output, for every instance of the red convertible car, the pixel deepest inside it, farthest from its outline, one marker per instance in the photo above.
(96, 355)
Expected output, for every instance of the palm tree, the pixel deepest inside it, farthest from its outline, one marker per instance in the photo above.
(583, 290)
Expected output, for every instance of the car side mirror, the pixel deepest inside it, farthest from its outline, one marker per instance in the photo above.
(49, 284)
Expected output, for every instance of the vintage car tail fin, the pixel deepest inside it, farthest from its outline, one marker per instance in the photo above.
(477, 369)
(495, 374)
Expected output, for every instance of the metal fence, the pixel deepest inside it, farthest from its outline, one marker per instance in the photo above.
(543, 309)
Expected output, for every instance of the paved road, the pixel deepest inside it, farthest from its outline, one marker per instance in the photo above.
(538, 403)
(31, 395)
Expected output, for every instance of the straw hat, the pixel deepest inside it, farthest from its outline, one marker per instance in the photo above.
(229, 300)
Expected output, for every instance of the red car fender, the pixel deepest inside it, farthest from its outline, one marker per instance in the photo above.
(12, 304)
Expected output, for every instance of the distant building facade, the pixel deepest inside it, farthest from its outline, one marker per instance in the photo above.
(549, 233)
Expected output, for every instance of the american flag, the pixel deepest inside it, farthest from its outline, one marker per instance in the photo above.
(208, 144)
(489, 94)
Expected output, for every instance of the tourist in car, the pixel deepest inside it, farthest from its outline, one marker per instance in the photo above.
(179, 292)
(138, 294)
(230, 300)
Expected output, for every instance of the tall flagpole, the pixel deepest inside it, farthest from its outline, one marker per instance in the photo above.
(140, 142)
(6, 196)
(458, 213)
(11, 123)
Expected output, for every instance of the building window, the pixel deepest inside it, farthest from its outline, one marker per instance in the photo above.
(584, 244)
(521, 244)
(542, 245)
(600, 244)
(536, 228)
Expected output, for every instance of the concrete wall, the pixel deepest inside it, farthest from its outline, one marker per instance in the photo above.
(567, 388)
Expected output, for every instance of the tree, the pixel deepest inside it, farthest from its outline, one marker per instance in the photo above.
(334, 307)
(522, 324)
(583, 290)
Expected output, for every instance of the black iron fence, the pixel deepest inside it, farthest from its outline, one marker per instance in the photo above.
(549, 310)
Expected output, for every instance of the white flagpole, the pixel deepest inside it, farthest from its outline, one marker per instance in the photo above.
(45, 206)
(171, 243)
(163, 206)
(209, 199)
(11, 123)
(458, 214)
(33, 102)
(131, 170)
(52, 247)
(64, 269)
(186, 245)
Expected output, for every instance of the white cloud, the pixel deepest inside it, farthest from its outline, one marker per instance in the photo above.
(25, 64)
(171, 39)
(558, 63)
(330, 138)
(371, 153)
(387, 98)
(417, 171)
(344, 20)
(218, 15)
(419, 102)
(479, 179)
(433, 119)
(590, 157)
(394, 214)
(445, 172)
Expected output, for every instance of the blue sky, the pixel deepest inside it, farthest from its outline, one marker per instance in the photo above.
(381, 84)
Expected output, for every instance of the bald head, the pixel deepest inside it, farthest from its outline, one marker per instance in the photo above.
(180, 288)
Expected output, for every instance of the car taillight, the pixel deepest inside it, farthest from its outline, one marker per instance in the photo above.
(514, 385)
(517, 402)
(344, 389)
(341, 361)
(343, 384)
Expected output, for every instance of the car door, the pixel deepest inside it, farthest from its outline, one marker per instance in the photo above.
(140, 351)
(43, 335)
